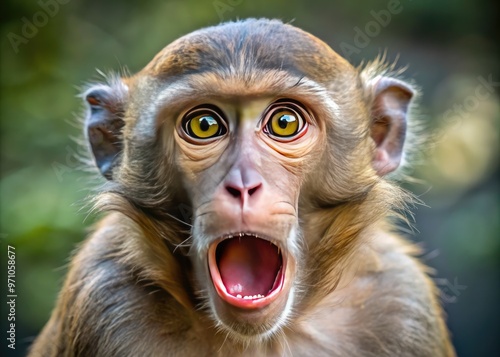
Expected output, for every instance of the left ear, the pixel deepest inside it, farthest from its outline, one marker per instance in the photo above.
(104, 124)
(388, 122)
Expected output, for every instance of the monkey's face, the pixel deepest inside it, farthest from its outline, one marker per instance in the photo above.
(253, 125)
(243, 164)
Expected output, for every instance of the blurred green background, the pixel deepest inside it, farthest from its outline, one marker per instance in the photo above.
(451, 47)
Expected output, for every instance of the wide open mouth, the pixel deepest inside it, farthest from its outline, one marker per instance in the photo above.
(247, 271)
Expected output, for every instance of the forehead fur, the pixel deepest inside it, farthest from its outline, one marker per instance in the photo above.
(248, 45)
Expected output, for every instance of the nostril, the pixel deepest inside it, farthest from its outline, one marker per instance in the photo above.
(233, 191)
(252, 190)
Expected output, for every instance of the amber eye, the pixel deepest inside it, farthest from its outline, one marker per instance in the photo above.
(204, 123)
(284, 121)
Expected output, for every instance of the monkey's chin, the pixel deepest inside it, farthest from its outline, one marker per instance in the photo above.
(248, 271)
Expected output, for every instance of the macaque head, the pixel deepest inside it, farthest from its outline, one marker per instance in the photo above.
(255, 126)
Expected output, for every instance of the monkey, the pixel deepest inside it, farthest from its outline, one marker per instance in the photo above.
(250, 207)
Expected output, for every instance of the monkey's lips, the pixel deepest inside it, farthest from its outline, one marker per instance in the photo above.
(247, 271)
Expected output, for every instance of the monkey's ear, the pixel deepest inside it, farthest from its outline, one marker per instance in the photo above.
(388, 127)
(104, 125)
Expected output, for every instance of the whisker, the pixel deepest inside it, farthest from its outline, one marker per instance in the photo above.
(180, 220)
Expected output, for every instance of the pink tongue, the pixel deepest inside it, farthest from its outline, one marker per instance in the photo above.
(248, 265)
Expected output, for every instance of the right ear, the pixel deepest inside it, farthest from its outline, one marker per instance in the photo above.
(104, 123)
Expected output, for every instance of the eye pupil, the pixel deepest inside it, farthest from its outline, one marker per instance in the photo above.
(205, 123)
(284, 120)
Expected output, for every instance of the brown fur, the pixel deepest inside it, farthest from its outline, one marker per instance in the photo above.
(137, 285)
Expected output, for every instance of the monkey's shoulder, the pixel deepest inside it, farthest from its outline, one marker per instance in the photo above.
(105, 295)
(390, 279)
(389, 264)
(103, 271)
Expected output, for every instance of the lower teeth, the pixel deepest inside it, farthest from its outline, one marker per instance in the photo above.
(250, 297)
